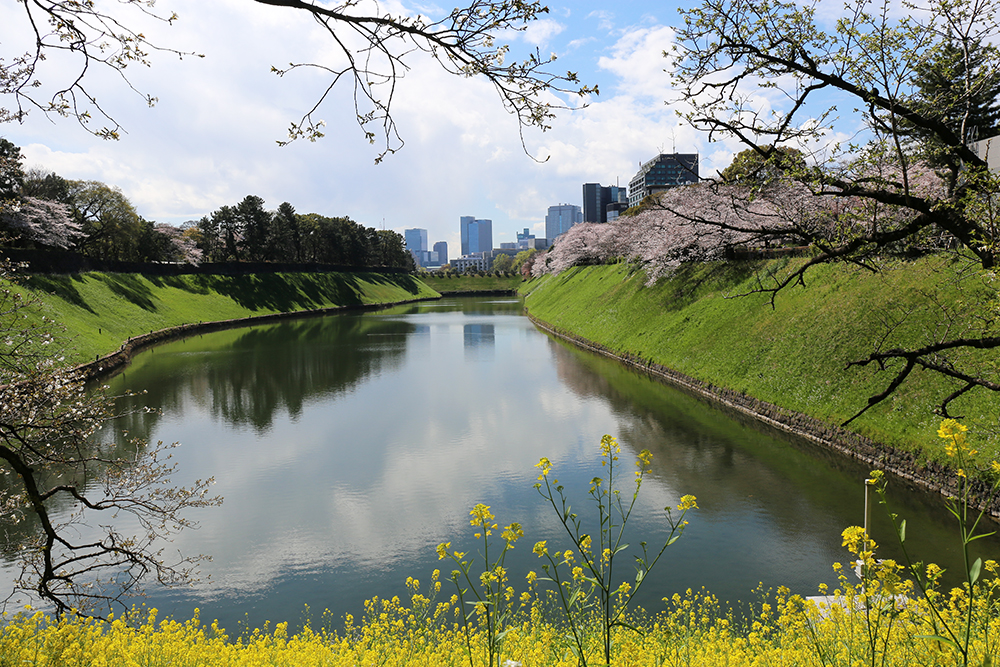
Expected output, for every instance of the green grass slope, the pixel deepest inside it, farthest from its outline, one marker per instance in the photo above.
(794, 354)
(470, 283)
(101, 310)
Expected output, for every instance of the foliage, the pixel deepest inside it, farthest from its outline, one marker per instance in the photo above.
(112, 228)
(486, 605)
(520, 259)
(956, 631)
(11, 172)
(956, 84)
(587, 593)
(28, 218)
(790, 355)
(760, 167)
(733, 53)
(502, 264)
(868, 622)
(664, 234)
(247, 232)
(370, 49)
(64, 485)
(39, 221)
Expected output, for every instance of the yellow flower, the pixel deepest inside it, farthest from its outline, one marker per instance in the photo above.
(610, 446)
(995, 467)
(545, 465)
(688, 502)
(645, 458)
(540, 549)
(481, 515)
(531, 577)
(442, 550)
(950, 428)
(512, 532)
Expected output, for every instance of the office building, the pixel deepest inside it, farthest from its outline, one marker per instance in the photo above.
(560, 218)
(597, 198)
(416, 239)
(666, 170)
(477, 235)
(441, 248)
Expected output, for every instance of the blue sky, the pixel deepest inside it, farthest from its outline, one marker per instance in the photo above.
(211, 138)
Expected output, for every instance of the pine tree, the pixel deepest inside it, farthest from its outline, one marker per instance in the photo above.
(957, 85)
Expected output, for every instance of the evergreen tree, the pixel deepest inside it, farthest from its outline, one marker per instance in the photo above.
(957, 85)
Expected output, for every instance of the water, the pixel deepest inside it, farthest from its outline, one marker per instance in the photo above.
(348, 447)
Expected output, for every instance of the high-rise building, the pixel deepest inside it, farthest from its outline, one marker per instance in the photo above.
(416, 239)
(477, 235)
(666, 170)
(597, 198)
(416, 243)
(560, 218)
(465, 221)
(441, 248)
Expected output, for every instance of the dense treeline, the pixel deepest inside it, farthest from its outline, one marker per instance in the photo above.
(247, 232)
(42, 210)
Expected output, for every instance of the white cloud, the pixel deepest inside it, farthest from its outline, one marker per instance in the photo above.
(637, 60)
(605, 19)
(540, 33)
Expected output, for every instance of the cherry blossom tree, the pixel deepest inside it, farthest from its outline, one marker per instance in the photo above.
(62, 484)
(732, 54)
(181, 246)
(40, 221)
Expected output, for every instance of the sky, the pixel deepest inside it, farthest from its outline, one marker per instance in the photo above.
(211, 138)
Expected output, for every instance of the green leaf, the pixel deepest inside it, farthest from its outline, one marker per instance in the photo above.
(979, 537)
(639, 575)
(939, 638)
(902, 531)
(974, 571)
(631, 627)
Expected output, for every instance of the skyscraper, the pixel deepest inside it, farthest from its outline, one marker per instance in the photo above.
(560, 218)
(416, 244)
(477, 235)
(465, 221)
(416, 239)
(597, 198)
(441, 248)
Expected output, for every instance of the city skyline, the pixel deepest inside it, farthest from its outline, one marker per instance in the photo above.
(211, 138)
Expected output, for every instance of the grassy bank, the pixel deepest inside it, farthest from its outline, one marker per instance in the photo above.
(793, 355)
(470, 283)
(101, 310)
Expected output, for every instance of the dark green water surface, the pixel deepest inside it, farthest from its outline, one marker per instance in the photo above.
(348, 447)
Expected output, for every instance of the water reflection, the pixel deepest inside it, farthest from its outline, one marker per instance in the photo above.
(348, 447)
(480, 342)
(779, 501)
(247, 377)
